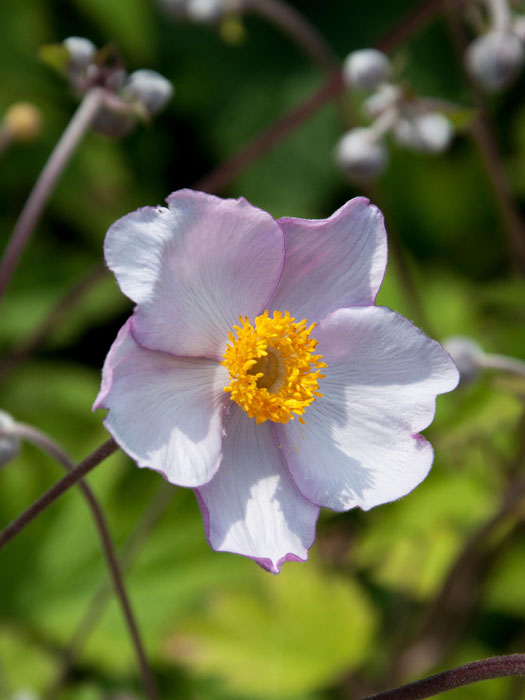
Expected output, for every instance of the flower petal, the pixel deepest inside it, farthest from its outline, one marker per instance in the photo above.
(164, 411)
(194, 268)
(251, 506)
(359, 445)
(332, 263)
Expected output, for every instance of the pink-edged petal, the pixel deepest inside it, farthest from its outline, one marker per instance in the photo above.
(164, 411)
(194, 268)
(251, 506)
(360, 444)
(332, 263)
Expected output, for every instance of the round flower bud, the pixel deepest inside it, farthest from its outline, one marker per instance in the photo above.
(23, 121)
(428, 133)
(81, 51)
(467, 356)
(9, 444)
(494, 60)
(206, 10)
(366, 69)
(150, 88)
(361, 155)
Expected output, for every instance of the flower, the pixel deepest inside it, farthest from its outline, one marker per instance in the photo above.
(257, 370)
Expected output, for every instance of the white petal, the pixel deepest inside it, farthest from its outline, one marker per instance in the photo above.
(332, 263)
(251, 506)
(164, 411)
(194, 268)
(360, 444)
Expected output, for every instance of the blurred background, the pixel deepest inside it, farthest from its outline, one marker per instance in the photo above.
(387, 596)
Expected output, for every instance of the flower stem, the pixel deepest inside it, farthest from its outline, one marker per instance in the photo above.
(299, 28)
(494, 667)
(153, 512)
(40, 439)
(482, 134)
(60, 487)
(58, 160)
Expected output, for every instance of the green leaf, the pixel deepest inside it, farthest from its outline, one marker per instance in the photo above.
(292, 634)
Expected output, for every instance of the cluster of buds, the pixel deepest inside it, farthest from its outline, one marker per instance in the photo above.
(206, 11)
(141, 94)
(414, 122)
(495, 58)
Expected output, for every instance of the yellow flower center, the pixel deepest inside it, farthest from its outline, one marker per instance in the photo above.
(273, 369)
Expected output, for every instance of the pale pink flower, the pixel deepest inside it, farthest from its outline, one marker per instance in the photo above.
(339, 431)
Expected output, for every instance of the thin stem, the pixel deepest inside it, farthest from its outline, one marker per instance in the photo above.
(43, 441)
(494, 667)
(94, 610)
(483, 136)
(60, 487)
(223, 175)
(58, 160)
(499, 14)
(299, 28)
(508, 364)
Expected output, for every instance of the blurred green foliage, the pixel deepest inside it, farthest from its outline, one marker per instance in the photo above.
(216, 627)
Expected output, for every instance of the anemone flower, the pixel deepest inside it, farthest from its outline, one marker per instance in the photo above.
(257, 370)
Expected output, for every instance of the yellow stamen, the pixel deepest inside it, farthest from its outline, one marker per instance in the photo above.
(274, 372)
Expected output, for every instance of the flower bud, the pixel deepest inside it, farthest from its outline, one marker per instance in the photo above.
(366, 69)
(494, 60)
(150, 88)
(361, 155)
(23, 121)
(81, 51)
(206, 10)
(9, 443)
(429, 133)
(467, 356)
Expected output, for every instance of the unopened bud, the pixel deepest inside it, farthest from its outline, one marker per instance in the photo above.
(467, 355)
(9, 443)
(150, 88)
(206, 10)
(361, 155)
(23, 121)
(366, 69)
(81, 51)
(429, 133)
(494, 60)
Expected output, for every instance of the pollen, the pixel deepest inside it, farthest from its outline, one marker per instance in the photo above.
(273, 368)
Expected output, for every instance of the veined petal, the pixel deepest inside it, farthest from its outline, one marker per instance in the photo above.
(360, 444)
(194, 268)
(164, 411)
(251, 506)
(332, 263)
